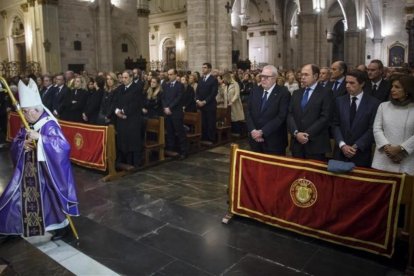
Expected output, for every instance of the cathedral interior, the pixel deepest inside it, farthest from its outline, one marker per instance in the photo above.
(166, 219)
(103, 35)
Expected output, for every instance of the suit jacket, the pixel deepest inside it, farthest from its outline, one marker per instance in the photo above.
(272, 119)
(383, 91)
(172, 97)
(207, 91)
(131, 101)
(59, 97)
(360, 132)
(47, 94)
(340, 91)
(73, 105)
(314, 119)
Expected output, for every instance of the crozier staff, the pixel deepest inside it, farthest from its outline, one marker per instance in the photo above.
(41, 194)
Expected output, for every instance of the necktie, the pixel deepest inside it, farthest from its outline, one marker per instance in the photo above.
(205, 78)
(305, 98)
(374, 89)
(264, 100)
(172, 84)
(353, 110)
(336, 85)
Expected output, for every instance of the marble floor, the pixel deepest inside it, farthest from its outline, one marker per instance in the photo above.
(166, 220)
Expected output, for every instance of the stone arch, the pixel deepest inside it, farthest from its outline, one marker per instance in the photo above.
(16, 38)
(259, 11)
(397, 54)
(168, 52)
(119, 54)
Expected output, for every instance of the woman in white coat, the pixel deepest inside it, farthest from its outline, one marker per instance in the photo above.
(234, 100)
(394, 128)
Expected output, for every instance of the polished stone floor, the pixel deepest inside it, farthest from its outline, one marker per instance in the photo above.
(166, 220)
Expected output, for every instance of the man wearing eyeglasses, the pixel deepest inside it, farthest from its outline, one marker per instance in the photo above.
(267, 111)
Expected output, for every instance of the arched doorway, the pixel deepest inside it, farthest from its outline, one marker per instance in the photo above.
(338, 41)
(19, 42)
(168, 53)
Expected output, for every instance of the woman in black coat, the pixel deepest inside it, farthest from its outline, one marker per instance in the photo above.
(91, 111)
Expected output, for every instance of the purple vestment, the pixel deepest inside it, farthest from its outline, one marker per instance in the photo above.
(55, 182)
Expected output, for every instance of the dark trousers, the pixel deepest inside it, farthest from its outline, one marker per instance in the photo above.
(176, 134)
(263, 148)
(131, 157)
(208, 124)
(305, 155)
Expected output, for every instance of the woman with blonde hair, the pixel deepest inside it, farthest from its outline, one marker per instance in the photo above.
(75, 101)
(106, 111)
(193, 81)
(221, 97)
(233, 93)
(152, 104)
(291, 83)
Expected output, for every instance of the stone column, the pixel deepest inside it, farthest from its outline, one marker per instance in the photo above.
(209, 34)
(354, 48)
(244, 51)
(244, 17)
(104, 36)
(143, 26)
(49, 57)
(410, 30)
(30, 32)
(377, 54)
(307, 48)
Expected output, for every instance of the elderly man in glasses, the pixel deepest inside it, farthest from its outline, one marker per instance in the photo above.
(267, 112)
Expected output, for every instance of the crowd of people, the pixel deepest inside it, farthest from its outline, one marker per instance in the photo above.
(358, 108)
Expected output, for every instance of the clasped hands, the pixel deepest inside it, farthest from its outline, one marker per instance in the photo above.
(120, 114)
(395, 153)
(29, 143)
(302, 137)
(349, 151)
(257, 135)
(200, 103)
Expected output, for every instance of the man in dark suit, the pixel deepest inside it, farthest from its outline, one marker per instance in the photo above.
(325, 77)
(174, 116)
(338, 73)
(206, 92)
(268, 107)
(377, 86)
(61, 90)
(354, 116)
(47, 93)
(128, 103)
(309, 117)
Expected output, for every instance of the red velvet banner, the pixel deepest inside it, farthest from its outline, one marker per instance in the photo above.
(358, 209)
(88, 142)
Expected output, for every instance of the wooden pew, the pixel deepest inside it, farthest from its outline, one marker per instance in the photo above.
(407, 231)
(155, 129)
(223, 125)
(193, 121)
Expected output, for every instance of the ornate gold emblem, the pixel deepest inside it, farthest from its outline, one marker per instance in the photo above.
(78, 139)
(303, 193)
